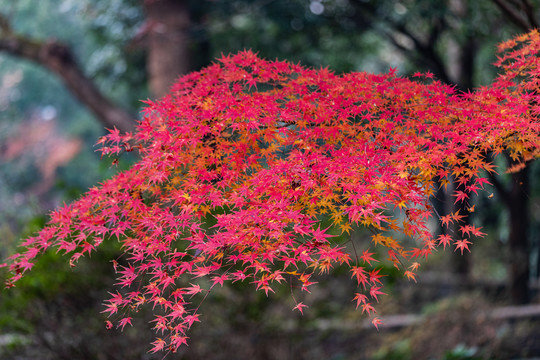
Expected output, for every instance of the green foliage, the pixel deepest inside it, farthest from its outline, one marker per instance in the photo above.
(401, 350)
(55, 283)
(461, 352)
(289, 29)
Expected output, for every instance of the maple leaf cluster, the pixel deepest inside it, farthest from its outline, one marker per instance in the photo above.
(240, 164)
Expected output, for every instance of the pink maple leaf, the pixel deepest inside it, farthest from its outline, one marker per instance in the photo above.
(300, 307)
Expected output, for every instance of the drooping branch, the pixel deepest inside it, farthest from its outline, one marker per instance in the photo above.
(59, 59)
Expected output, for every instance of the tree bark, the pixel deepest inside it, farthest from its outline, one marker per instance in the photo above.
(516, 198)
(59, 59)
(464, 79)
(168, 42)
(514, 10)
(518, 237)
(522, 14)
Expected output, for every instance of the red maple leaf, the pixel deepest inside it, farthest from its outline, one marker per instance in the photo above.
(360, 274)
(460, 196)
(367, 257)
(360, 299)
(300, 307)
(376, 321)
(123, 322)
(375, 291)
(444, 239)
(462, 244)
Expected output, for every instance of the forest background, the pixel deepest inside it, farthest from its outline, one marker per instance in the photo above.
(68, 69)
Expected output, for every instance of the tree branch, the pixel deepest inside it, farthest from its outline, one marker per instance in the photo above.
(513, 14)
(529, 11)
(429, 56)
(59, 59)
(424, 51)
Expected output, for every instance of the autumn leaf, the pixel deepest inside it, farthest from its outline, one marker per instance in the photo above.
(367, 257)
(123, 322)
(376, 322)
(360, 274)
(462, 244)
(360, 299)
(444, 239)
(460, 196)
(158, 345)
(375, 291)
(300, 307)
(410, 275)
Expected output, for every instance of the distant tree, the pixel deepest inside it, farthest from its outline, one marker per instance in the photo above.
(59, 59)
(448, 39)
(175, 37)
(516, 194)
(164, 32)
(242, 161)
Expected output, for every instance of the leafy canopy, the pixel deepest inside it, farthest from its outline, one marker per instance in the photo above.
(243, 161)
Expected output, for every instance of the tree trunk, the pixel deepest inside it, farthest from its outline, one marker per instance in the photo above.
(522, 14)
(518, 238)
(464, 78)
(516, 200)
(168, 43)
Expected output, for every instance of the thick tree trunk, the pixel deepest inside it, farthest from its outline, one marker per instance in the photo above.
(520, 13)
(168, 42)
(518, 237)
(464, 78)
(524, 15)
(516, 200)
(58, 58)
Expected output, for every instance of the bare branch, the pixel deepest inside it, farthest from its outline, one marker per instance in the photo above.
(529, 11)
(59, 59)
(513, 15)
(429, 55)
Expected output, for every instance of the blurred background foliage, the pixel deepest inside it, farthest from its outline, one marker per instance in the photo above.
(47, 157)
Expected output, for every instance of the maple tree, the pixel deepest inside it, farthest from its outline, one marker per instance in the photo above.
(241, 163)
